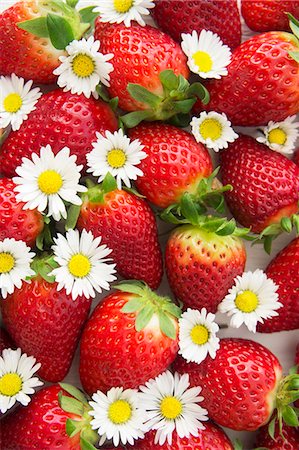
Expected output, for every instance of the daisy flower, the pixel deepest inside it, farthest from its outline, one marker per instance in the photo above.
(197, 335)
(84, 67)
(16, 382)
(207, 55)
(213, 129)
(82, 261)
(252, 299)
(116, 154)
(172, 405)
(17, 100)
(117, 11)
(46, 181)
(15, 260)
(281, 136)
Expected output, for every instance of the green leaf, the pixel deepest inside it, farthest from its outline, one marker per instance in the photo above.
(286, 224)
(70, 405)
(85, 445)
(72, 427)
(143, 317)
(188, 209)
(109, 183)
(142, 95)
(166, 325)
(294, 24)
(73, 391)
(72, 217)
(184, 106)
(132, 119)
(87, 15)
(169, 79)
(133, 305)
(60, 31)
(38, 26)
(200, 91)
(271, 428)
(290, 417)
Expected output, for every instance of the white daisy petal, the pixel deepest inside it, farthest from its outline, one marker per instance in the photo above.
(281, 136)
(117, 11)
(252, 299)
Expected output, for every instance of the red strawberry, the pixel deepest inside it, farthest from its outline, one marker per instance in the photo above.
(178, 16)
(240, 385)
(5, 340)
(28, 55)
(45, 323)
(201, 265)
(128, 227)
(296, 157)
(262, 82)
(265, 183)
(15, 222)
(288, 442)
(131, 336)
(211, 438)
(175, 164)
(284, 271)
(268, 15)
(60, 119)
(42, 424)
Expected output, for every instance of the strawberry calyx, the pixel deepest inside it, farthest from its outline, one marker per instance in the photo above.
(286, 225)
(146, 303)
(59, 21)
(42, 265)
(78, 405)
(177, 100)
(294, 25)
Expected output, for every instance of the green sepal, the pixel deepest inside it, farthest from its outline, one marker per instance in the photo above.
(238, 445)
(184, 106)
(168, 79)
(70, 405)
(45, 240)
(43, 265)
(73, 391)
(166, 325)
(271, 428)
(132, 119)
(72, 427)
(114, 103)
(85, 445)
(180, 120)
(290, 417)
(133, 305)
(131, 286)
(37, 26)
(272, 231)
(60, 31)
(294, 370)
(143, 95)
(133, 192)
(103, 94)
(200, 91)
(188, 209)
(87, 15)
(72, 3)
(109, 183)
(294, 24)
(143, 317)
(73, 213)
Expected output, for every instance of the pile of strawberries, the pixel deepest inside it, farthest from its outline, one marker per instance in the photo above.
(90, 164)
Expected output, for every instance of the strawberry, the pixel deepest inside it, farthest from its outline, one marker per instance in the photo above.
(296, 157)
(15, 222)
(42, 424)
(45, 323)
(265, 183)
(177, 16)
(289, 440)
(268, 15)
(242, 385)
(284, 271)
(211, 438)
(5, 340)
(60, 119)
(131, 336)
(175, 164)
(128, 227)
(30, 46)
(262, 82)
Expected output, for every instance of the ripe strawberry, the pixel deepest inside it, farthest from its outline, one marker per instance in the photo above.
(177, 16)
(211, 438)
(284, 271)
(265, 183)
(288, 442)
(5, 340)
(128, 227)
(262, 82)
(175, 164)
(42, 424)
(45, 323)
(15, 222)
(242, 385)
(268, 15)
(131, 336)
(296, 157)
(60, 119)
(201, 265)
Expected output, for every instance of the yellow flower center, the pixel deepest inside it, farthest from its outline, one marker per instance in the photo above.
(10, 384)
(120, 412)
(277, 136)
(199, 334)
(49, 182)
(7, 262)
(116, 158)
(123, 6)
(79, 265)
(203, 61)
(171, 408)
(83, 66)
(247, 301)
(210, 128)
(12, 103)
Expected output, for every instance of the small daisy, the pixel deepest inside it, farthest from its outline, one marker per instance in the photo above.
(117, 11)
(281, 136)
(207, 55)
(16, 382)
(197, 335)
(15, 260)
(116, 154)
(17, 100)
(46, 181)
(213, 129)
(83, 264)
(172, 405)
(84, 68)
(252, 299)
